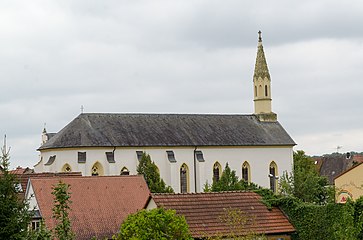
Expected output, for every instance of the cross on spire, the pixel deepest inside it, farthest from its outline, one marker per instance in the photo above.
(259, 36)
(82, 108)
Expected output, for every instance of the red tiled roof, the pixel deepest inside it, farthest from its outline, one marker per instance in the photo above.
(358, 158)
(20, 170)
(24, 177)
(99, 204)
(204, 213)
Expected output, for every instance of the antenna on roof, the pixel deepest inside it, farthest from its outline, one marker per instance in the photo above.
(82, 108)
(338, 148)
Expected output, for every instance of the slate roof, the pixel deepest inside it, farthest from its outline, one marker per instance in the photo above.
(332, 165)
(204, 213)
(99, 204)
(143, 130)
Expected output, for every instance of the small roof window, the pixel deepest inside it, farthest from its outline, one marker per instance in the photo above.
(199, 156)
(110, 157)
(139, 155)
(171, 156)
(50, 160)
(82, 157)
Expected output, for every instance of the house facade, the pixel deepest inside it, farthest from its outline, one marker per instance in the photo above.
(349, 184)
(188, 149)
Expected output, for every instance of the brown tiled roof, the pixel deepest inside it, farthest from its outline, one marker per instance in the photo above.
(24, 177)
(204, 213)
(358, 158)
(99, 204)
(20, 170)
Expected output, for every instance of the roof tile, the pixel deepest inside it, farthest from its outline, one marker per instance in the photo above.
(99, 204)
(203, 212)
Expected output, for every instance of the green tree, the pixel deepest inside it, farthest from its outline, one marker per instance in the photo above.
(14, 214)
(154, 224)
(229, 182)
(63, 230)
(236, 221)
(305, 182)
(152, 176)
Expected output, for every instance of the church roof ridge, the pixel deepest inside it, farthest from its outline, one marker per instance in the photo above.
(168, 130)
(166, 114)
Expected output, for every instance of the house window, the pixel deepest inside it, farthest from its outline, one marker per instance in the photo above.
(124, 171)
(97, 169)
(216, 172)
(184, 175)
(273, 176)
(35, 224)
(246, 172)
(82, 157)
(260, 93)
(110, 157)
(66, 168)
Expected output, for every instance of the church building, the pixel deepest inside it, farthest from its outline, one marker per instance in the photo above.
(188, 149)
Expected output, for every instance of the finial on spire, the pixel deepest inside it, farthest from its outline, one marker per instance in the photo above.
(44, 128)
(82, 108)
(259, 36)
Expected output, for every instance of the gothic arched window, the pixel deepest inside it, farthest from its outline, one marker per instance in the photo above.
(66, 168)
(266, 91)
(246, 172)
(260, 93)
(124, 171)
(184, 178)
(97, 169)
(216, 172)
(273, 176)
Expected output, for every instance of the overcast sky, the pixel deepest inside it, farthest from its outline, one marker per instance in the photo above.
(187, 56)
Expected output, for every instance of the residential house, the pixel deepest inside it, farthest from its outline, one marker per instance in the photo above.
(99, 204)
(226, 214)
(349, 184)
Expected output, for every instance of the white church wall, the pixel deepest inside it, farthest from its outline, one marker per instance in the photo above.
(259, 159)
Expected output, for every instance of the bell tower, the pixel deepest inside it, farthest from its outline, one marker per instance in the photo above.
(262, 86)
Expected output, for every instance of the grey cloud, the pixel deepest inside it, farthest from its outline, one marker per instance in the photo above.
(177, 56)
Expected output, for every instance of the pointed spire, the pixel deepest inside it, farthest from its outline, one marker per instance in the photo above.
(261, 69)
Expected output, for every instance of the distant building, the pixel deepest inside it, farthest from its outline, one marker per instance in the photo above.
(332, 165)
(224, 214)
(189, 149)
(99, 204)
